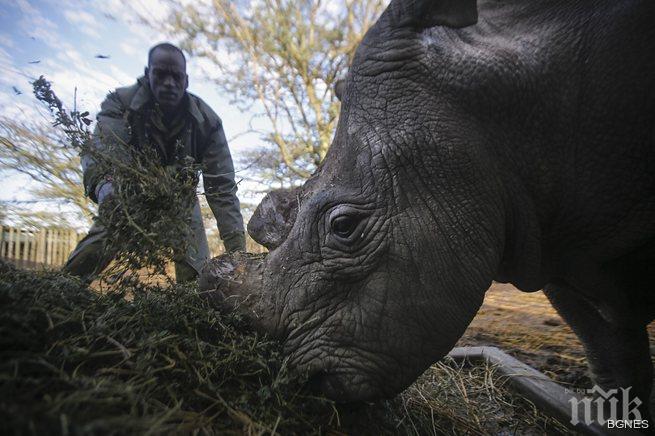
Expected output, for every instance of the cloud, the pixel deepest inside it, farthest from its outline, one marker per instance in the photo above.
(128, 48)
(26, 8)
(6, 41)
(121, 76)
(23, 106)
(84, 84)
(84, 21)
(154, 11)
(10, 74)
(80, 17)
(34, 24)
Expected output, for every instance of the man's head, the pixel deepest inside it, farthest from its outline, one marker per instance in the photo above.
(166, 73)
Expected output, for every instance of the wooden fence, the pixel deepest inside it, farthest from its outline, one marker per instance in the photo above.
(50, 247)
(37, 248)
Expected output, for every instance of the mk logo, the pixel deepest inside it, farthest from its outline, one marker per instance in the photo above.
(604, 400)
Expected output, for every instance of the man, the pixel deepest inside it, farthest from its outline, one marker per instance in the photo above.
(158, 112)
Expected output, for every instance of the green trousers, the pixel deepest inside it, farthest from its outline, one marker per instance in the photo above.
(93, 253)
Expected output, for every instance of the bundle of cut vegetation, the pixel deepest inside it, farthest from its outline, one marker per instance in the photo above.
(147, 219)
(76, 362)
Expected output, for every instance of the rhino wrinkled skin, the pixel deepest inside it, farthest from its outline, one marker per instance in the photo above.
(511, 141)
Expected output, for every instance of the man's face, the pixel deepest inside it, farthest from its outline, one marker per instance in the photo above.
(167, 76)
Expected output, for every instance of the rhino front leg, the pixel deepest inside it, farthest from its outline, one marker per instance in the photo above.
(618, 355)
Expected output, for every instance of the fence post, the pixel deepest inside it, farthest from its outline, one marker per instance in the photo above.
(55, 247)
(34, 247)
(63, 244)
(26, 246)
(10, 248)
(48, 249)
(40, 254)
(19, 240)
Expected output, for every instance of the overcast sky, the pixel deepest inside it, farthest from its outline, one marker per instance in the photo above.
(61, 40)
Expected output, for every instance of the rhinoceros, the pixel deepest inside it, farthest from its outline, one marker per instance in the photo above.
(509, 140)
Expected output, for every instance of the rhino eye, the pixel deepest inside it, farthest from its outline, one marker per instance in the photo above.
(343, 226)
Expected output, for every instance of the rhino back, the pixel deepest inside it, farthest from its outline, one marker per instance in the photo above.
(567, 102)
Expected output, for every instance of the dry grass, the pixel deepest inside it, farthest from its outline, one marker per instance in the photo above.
(77, 362)
(527, 327)
(473, 400)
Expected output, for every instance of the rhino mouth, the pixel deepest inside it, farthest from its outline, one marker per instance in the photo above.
(344, 386)
(344, 376)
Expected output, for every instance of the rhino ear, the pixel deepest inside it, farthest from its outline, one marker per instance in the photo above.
(423, 14)
(339, 87)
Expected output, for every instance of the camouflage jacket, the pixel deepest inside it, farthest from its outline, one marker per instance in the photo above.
(122, 117)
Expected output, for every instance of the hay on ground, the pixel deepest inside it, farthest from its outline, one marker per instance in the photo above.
(76, 362)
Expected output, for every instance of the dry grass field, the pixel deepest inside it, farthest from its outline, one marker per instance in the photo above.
(527, 327)
(163, 360)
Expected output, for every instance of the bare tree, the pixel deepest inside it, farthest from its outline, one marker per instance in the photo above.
(40, 151)
(280, 59)
(265, 167)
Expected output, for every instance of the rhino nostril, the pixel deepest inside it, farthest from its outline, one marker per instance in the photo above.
(331, 385)
(316, 381)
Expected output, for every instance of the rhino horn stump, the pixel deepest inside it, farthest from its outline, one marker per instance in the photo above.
(233, 281)
(274, 217)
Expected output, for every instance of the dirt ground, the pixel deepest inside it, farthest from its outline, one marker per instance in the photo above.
(527, 327)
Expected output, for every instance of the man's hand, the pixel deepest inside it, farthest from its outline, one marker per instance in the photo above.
(235, 241)
(104, 191)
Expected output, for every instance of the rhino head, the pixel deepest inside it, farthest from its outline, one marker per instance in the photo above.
(379, 263)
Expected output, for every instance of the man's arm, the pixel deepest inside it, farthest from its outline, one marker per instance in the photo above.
(221, 190)
(111, 128)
